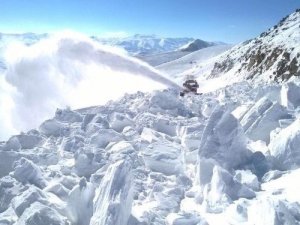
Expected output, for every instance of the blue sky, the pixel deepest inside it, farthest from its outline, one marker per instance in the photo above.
(214, 20)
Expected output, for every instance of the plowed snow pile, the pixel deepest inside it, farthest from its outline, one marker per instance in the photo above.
(227, 157)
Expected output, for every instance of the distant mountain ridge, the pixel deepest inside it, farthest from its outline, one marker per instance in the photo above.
(146, 44)
(137, 45)
(143, 45)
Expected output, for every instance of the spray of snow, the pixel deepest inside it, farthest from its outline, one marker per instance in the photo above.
(67, 69)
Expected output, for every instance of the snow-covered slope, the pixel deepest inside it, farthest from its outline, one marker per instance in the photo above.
(273, 56)
(156, 159)
(177, 68)
(160, 58)
(196, 45)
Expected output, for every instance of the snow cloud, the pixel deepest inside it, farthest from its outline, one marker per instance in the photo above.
(67, 69)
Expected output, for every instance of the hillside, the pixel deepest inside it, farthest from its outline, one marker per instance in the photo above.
(196, 45)
(273, 56)
(160, 58)
(177, 68)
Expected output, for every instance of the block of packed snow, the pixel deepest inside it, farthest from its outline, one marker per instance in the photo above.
(223, 140)
(223, 189)
(184, 219)
(262, 118)
(38, 213)
(23, 141)
(165, 157)
(208, 107)
(290, 95)
(68, 116)
(9, 188)
(86, 120)
(57, 189)
(114, 196)
(104, 136)
(26, 198)
(69, 182)
(151, 135)
(163, 101)
(118, 121)
(52, 128)
(247, 178)
(165, 126)
(7, 160)
(26, 171)
(191, 156)
(130, 133)
(80, 203)
(268, 121)
(73, 143)
(101, 120)
(285, 147)
(86, 164)
(270, 91)
(8, 217)
(258, 109)
(191, 136)
(121, 150)
(205, 170)
(269, 211)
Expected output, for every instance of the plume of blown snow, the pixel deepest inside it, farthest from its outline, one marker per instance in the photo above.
(67, 69)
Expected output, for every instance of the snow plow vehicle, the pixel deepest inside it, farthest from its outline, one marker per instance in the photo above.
(190, 86)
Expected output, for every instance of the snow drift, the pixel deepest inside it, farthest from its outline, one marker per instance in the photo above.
(156, 159)
(67, 69)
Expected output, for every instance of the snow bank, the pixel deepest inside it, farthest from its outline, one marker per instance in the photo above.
(290, 95)
(164, 157)
(114, 196)
(38, 213)
(270, 212)
(68, 69)
(79, 205)
(262, 118)
(285, 147)
(26, 171)
(223, 140)
(223, 189)
(25, 199)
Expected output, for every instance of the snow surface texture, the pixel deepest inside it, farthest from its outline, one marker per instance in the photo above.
(273, 56)
(179, 67)
(66, 70)
(154, 158)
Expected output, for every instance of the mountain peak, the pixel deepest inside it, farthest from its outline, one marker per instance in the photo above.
(195, 45)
